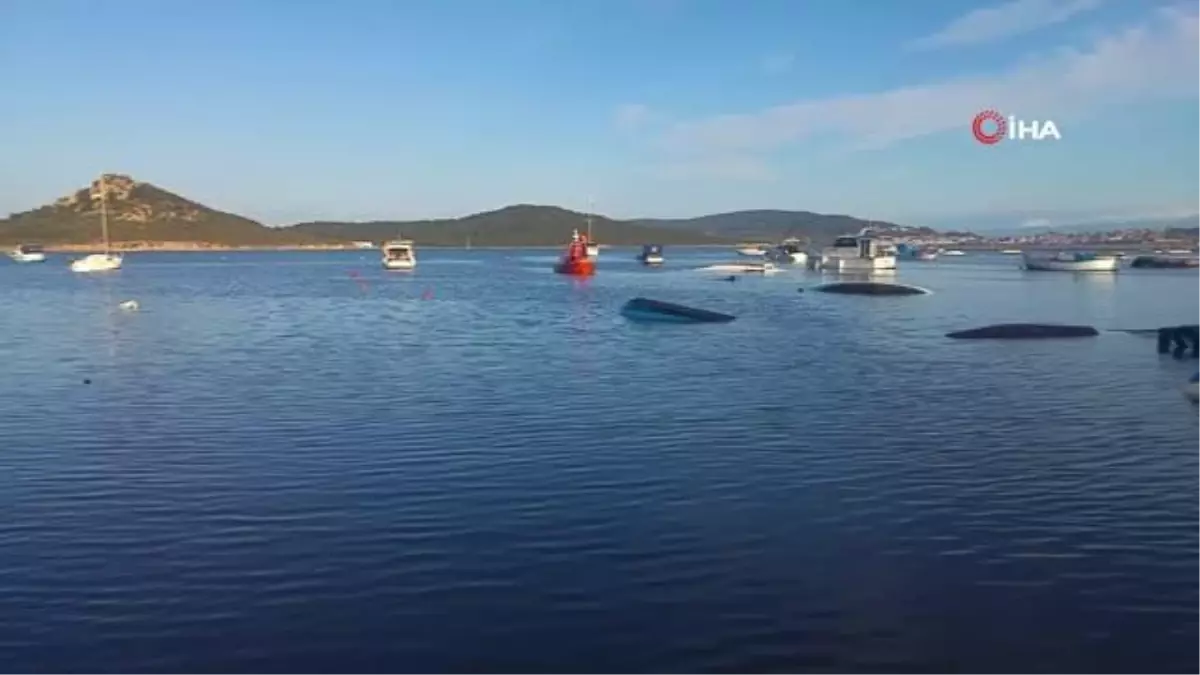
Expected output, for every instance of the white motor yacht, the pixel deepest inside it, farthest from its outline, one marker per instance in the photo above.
(399, 254)
(857, 253)
(28, 253)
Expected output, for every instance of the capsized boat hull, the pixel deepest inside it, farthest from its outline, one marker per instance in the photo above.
(870, 288)
(656, 311)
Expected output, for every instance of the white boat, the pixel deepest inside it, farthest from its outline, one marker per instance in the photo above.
(100, 262)
(857, 253)
(1072, 262)
(399, 254)
(952, 252)
(651, 255)
(743, 268)
(926, 254)
(752, 250)
(788, 252)
(28, 253)
(364, 244)
(1011, 251)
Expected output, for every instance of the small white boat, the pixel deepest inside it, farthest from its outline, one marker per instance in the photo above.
(926, 254)
(100, 262)
(651, 255)
(857, 253)
(953, 252)
(364, 244)
(752, 250)
(788, 252)
(399, 254)
(1011, 251)
(28, 253)
(743, 268)
(97, 262)
(1072, 262)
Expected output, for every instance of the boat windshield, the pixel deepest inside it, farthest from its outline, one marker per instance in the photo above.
(846, 242)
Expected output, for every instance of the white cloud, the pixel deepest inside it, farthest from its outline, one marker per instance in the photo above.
(778, 64)
(630, 116)
(1154, 59)
(990, 24)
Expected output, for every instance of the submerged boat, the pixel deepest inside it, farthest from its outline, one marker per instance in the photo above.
(645, 309)
(651, 255)
(788, 252)
(1192, 389)
(576, 261)
(28, 253)
(743, 268)
(399, 254)
(870, 288)
(857, 253)
(1072, 262)
(1165, 261)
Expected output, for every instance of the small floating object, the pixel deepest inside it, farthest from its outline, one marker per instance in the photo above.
(645, 309)
(870, 288)
(743, 268)
(1024, 331)
(1192, 389)
(130, 306)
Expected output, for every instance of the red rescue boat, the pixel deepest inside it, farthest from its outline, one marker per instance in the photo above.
(576, 261)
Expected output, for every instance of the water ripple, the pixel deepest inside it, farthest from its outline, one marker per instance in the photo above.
(297, 462)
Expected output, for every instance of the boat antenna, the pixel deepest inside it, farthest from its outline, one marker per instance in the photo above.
(589, 219)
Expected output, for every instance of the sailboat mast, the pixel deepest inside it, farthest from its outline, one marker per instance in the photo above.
(104, 214)
(589, 220)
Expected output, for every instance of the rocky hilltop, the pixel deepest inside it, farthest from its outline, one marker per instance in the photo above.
(139, 213)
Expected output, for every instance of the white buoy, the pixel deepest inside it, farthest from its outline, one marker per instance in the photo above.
(130, 305)
(1192, 389)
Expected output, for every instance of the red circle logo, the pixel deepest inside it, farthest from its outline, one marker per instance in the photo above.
(989, 137)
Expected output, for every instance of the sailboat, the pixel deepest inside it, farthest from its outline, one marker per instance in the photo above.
(593, 249)
(100, 262)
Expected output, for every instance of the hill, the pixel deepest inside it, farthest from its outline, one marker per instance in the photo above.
(137, 213)
(773, 225)
(520, 225)
(142, 214)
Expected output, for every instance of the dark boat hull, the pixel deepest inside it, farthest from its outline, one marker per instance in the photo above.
(644, 309)
(1024, 331)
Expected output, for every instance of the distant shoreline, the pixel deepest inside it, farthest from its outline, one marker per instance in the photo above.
(193, 247)
(198, 248)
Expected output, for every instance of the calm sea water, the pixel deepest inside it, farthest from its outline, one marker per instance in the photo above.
(302, 463)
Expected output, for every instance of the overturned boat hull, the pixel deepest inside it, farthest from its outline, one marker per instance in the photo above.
(870, 288)
(1024, 331)
(656, 311)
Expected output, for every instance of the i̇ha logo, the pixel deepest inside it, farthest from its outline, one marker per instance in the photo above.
(990, 127)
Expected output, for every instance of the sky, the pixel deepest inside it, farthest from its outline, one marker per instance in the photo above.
(292, 110)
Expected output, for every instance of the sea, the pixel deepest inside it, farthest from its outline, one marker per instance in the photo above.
(299, 462)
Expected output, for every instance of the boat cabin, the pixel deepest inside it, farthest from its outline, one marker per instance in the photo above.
(864, 246)
(26, 249)
(398, 250)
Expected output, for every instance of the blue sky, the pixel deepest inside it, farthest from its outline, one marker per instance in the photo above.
(287, 111)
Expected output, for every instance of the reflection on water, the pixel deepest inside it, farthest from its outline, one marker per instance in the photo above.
(301, 462)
